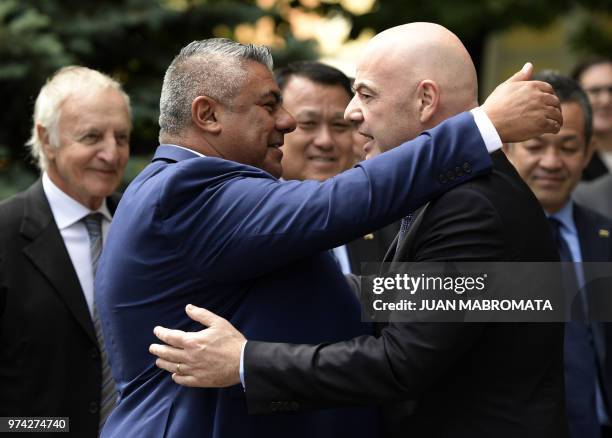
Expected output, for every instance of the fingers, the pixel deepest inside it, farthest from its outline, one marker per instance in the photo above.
(544, 86)
(176, 338)
(171, 367)
(185, 380)
(170, 354)
(551, 100)
(201, 315)
(555, 115)
(523, 75)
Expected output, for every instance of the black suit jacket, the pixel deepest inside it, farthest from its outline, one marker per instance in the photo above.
(466, 380)
(49, 357)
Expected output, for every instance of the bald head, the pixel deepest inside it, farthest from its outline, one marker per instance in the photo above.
(410, 78)
(420, 51)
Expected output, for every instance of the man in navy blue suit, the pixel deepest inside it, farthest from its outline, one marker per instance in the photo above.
(552, 166)
(209, 223)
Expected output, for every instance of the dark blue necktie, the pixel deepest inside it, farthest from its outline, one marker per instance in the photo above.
(404, 226)
(579, 354)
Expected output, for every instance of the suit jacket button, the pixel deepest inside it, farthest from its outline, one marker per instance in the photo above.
(467, 167)
(442, 178)
(295, 406)
(450, 175)
(458, 171)
(93, 407)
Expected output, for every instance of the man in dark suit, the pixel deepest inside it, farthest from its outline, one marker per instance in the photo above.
(466, 380)
(552, 166)
(321, 146)
(51, 358)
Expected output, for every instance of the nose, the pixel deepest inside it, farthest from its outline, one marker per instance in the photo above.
(109, 152)
(324, 138)
(285, 122)
(551, 160)
(353, 112)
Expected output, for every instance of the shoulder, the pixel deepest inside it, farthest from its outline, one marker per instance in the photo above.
(592, 217)
(12, 209)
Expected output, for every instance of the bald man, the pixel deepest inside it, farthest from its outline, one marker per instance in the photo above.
(433, 379)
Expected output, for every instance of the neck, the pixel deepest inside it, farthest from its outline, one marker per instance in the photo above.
(194, 142)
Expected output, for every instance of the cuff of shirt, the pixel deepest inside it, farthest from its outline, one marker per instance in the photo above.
(242, 366)
(487, 130)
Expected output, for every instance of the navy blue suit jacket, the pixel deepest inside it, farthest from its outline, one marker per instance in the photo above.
(253, 249)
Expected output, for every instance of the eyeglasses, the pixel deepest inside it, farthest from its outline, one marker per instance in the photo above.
(595, 92)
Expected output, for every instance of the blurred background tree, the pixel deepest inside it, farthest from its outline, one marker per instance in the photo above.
(135, 40)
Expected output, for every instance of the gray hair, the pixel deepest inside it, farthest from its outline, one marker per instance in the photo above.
(215, 68)
(66, 82)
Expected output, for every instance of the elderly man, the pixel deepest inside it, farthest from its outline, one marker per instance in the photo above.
(467, 380)
(52, 359)
(552, 165)
(321, 146)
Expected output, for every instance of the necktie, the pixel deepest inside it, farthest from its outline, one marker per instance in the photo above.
(579, 353)
(404, 226)
(108, 395)
(570, 280)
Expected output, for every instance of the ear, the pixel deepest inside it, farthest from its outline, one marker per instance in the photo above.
(204, 114)
(428, 95)
(48, 149)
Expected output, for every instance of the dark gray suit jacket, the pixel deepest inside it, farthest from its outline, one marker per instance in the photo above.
(49, 357)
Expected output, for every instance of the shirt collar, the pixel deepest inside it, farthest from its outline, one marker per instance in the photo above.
(566, 215)
(184, 148)
(66, 210)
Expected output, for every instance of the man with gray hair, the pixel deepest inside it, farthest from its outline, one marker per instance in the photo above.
(208, 222)
(52, 358)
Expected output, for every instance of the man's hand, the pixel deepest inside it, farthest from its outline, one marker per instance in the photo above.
(521, 109)
(209, 358)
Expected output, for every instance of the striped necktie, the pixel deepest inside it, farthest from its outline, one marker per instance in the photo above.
(108, 395)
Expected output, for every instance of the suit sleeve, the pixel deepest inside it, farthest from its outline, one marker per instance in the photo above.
(260, 224)
(405, 359)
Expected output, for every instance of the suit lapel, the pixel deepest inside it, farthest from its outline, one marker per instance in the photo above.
(48, 254)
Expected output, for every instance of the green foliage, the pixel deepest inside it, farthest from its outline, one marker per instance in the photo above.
(135, 40)
(132, 40)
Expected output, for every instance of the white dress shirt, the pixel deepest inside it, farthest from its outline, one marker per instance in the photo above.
(68, 213)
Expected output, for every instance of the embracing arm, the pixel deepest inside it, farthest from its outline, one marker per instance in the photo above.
(405, 359)
(238, 220)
